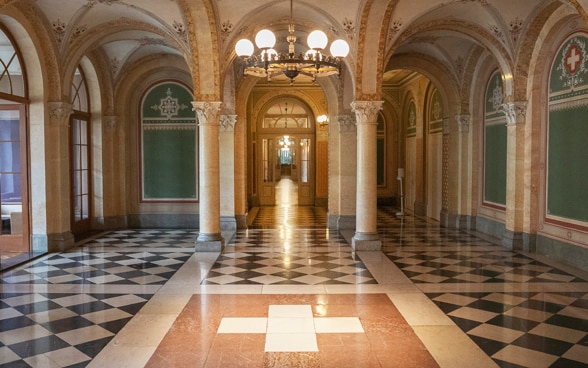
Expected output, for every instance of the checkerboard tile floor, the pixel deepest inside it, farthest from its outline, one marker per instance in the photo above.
(304, 257)
(68, 329)
(539, 327)
(62, 309)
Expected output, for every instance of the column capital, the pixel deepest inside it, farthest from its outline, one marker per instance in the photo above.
(516, 112)
(366, 112)
(346, 123)
(207, 112)
(59, 113)
(446, 126)
(463, 122)
(228, 122)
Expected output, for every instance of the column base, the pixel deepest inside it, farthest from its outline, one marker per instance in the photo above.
(209, 243)
(366, 241)
(516, 240)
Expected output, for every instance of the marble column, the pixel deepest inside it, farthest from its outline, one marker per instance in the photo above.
(57, 176)
(514, 236)
(209, 237)
(366, 236)
(227, 172)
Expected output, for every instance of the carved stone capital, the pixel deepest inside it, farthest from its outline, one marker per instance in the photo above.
(366, 112)
(516, 112)
(446, 126)
(207, 112)
(59, 113)
(463, 122)
(227, 123)
(346, 123)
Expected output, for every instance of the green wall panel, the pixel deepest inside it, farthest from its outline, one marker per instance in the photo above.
(169, 170)
(567, 179)
(169, 144)
(495, 164)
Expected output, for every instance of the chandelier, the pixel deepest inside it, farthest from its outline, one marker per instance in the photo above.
(268, 63)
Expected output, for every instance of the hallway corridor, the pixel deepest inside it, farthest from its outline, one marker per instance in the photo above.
(288, 292)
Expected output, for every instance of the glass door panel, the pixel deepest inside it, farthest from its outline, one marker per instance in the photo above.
(81, 177)
(14, 231)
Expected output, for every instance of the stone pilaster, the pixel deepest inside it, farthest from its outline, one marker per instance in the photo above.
(366, 236)
(514, 237)
(209, 236)
(227, 169)
(342, 172)
(57, 175)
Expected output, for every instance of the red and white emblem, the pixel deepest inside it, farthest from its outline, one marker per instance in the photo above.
(573, 59)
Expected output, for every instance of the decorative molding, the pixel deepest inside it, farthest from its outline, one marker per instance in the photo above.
(346, 123)
(227, 123)
(226, 30)
(394, 29)
(463, 122)
(516, 112)
(91, 3)
(515, 28)
(59, 30)
(180, 30)
(59, 113)
(207, 112)
(366, 112)
(349, 28)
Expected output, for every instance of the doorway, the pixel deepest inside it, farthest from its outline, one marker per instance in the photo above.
(286, 170)
(14, 204)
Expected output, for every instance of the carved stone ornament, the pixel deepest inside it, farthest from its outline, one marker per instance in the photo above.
(463, 123)
(366, 112)
(516, 112)
(346, 123)
(59, 113)
(227, 123)
(207, 112)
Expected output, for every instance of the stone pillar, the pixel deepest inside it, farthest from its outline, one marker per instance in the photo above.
(513, 236)
(209, 237)
(227, 172)
(366, 235)
(445, 175)
(57, 176)
(342, 172)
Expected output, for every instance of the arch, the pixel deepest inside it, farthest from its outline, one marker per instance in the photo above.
(204, 43)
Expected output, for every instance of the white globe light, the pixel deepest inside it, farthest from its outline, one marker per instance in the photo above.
(339, 48)
(265, 39)
(244, 47)
(317, 40)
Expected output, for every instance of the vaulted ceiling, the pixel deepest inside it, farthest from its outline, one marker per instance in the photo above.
(443, 30)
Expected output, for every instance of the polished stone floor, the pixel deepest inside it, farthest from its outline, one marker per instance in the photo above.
(287, 292)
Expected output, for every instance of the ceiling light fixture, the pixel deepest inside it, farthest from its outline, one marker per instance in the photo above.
(269, 63)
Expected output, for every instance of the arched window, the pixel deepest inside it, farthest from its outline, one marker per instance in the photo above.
(80, 154)
(12, 76)
(494, 144)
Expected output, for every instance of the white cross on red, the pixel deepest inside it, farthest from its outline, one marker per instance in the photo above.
(573, 59)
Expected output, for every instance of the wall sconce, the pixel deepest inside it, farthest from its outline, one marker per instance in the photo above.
(322, 120)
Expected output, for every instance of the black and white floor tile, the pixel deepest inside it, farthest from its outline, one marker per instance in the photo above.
(62, 309)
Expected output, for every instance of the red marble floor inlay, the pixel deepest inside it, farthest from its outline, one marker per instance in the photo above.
(387, 341)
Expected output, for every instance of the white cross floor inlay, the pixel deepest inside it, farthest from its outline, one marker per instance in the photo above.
(290, 328)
